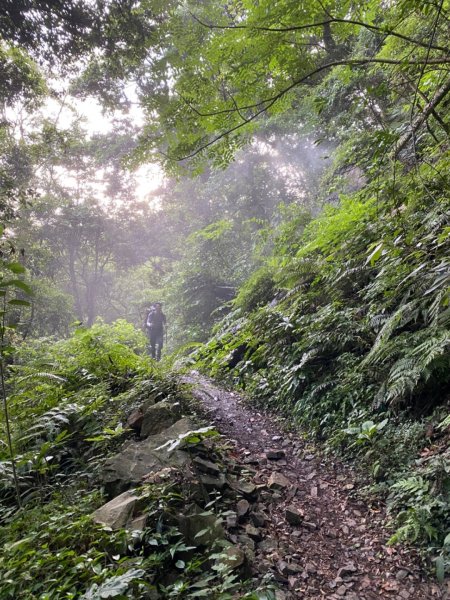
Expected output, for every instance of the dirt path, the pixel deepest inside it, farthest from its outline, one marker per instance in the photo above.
(334, 547)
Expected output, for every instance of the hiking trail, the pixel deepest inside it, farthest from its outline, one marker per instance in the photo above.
(317, 538)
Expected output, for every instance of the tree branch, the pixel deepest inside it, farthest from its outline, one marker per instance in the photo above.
(336, 63)
(381, 30)
(422, 117)
(266, 104)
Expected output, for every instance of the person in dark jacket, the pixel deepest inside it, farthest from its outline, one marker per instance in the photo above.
(156, 327)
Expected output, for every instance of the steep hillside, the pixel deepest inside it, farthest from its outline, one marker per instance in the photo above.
(345, 333)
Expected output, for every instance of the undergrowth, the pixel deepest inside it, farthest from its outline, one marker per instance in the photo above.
(353, 345)
(69, 403)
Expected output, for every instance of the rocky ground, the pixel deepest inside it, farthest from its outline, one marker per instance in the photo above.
(297, 515)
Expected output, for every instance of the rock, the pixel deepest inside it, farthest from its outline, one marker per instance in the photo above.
(242, 508)
(139, 523)
(278, 481)
(138, 459)
(293, 568)
(253, 533)
(282, 567)
(206, 466)
(119, 511)
(267, 545)
(347, 570)
(196, 522)
(231, 521)
(310, 568)
(159, 417)
(258, 519)
(402, 574)
(233, 557)
(309, 525)
(135, 419)
(211, 483)
(151, 399)
(294, 516)
(246, 489)
(274, 454)
(341, 591)
(263, 566)
(165, 474)
(246, 541)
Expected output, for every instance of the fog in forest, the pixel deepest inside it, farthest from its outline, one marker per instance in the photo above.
(224, 300)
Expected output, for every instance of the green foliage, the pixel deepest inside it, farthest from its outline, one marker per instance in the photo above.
(68, 401)
(258, 290)
(356, 347)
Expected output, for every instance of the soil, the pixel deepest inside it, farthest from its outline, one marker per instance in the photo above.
(310, 528)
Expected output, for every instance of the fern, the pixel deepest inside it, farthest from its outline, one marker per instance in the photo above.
(431, 349)
(42, 375)
(402, 316)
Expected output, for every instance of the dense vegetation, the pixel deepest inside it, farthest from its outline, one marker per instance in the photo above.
(354, 344)
(300, 233)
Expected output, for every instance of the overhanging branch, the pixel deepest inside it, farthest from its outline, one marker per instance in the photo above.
(382, 30)
(264, 105)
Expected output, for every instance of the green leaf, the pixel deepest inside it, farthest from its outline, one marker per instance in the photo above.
(375, 254)
(201, 532)
(440, 569)
(18, 283)
(17, 302)
(180, 564)
(15, 267)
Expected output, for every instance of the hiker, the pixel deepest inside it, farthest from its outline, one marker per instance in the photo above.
(156, 326)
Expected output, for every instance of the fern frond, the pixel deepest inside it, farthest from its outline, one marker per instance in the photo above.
(42, 375)
(403, 315)
(431, 349)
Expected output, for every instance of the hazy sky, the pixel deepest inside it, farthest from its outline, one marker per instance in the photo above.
(147, 177)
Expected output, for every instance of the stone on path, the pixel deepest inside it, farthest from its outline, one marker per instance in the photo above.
(246, 489)
(274, 454)
(294, 516)
(278, 481)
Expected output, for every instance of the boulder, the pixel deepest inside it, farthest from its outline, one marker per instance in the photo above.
(159, 416)
(135, 419)
(138, 459)
(196, 522)
(120, 512)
